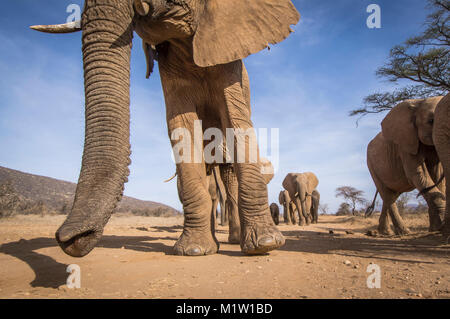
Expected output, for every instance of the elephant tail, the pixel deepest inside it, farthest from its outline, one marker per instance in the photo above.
(371, 208)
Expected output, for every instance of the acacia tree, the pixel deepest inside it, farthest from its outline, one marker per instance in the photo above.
(352, 196)
(324, 208)
(402, 202)
(422, 60)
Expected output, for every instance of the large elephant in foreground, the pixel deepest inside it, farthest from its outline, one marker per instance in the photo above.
(300, 187)
(402, 158)
(199, 46)
(441, 138)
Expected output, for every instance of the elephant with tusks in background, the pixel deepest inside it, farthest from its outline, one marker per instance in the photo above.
(300, 187)
(199, 46)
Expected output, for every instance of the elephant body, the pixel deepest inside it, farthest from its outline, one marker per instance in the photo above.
(441, 138)
(288, 207)
(300, 187)
(275, 212)
(402, 158)
(199, 46)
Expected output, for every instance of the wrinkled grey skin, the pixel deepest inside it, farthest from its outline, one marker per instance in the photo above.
(441, 138)
(403, 157)
(198, 84)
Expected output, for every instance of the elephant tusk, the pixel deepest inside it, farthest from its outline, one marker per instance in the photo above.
(142, 8)
(174, 175)
(58, 28)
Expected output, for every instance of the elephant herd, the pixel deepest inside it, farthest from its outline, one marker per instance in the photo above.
(299, 197)
(199, 47)
(223, 189)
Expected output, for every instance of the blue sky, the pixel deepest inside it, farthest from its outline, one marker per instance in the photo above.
(305, 86)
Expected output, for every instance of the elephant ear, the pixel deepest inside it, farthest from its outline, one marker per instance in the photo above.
(399, 127)
(312, 181)
(288, 181)
(231, 30)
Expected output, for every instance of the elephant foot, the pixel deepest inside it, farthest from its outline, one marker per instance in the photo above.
(301, 222)
(435, 225)
(234, 239)
(446, 229)
(385, 230)
(234, 236)
(196, 244)
(401, 231)
(260, 238)
(308, 221)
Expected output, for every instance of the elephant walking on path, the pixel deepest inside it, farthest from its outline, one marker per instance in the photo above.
(300, 187)
(403, 157)
(199, 46)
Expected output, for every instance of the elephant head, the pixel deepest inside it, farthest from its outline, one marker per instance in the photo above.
(216, 32)
(441, 138)
(300, 186)
(410, 123)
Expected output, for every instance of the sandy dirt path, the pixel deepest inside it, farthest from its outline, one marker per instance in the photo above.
(134, 260)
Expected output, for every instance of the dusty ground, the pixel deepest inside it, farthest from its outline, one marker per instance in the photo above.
(134, 261)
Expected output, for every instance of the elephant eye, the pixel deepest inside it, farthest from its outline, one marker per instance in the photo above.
(431, 121)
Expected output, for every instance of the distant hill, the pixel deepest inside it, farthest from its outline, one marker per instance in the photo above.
(19, 191)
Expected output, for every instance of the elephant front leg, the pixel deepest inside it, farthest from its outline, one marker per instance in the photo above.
(287, 214)
(292, 213)
(301, 217)
(436, 208)
(418, 174)
(258, 231)
(198, 236)
(199, 221)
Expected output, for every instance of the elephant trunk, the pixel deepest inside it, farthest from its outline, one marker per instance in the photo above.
(107, 39)
(302, 197)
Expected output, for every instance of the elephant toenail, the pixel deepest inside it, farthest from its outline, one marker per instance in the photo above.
(194, 251)
(266, 242)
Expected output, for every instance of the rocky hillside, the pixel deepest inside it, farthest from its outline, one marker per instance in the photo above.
(21, 191)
